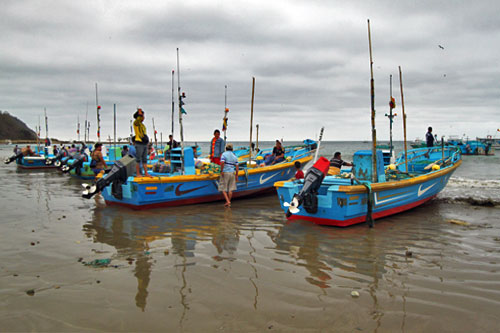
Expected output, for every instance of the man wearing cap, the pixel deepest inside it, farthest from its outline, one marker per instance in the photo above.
(141, 141)
(228, 177)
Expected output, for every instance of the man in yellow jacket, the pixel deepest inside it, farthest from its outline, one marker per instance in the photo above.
(141, 141)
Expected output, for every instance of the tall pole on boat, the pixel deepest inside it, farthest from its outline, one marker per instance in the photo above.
(257, 132)
(372, 94)
(226, 111)
(78, 128)
(114, 127)
(38, 135)
(154, 131)
(181, 103)
(404, 115)
(86, 124)
(98, 107)
(173, 103)
(392, 105)
(251, 123)
(46, 126)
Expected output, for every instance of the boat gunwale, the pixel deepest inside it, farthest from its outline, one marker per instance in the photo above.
(388, 185)
(214, 176)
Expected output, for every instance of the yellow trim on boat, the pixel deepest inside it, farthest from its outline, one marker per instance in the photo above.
(214, 176)
(376, 187)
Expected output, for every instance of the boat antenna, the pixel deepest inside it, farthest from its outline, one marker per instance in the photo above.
(372, 94)
(404, 115)
(251, 123)
(181, 103)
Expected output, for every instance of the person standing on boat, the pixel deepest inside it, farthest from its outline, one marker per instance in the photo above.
(429, 138)
(216, 147)
(336, 163)
(141, 141)
(97, 162)
(228, 177)
(16, 148)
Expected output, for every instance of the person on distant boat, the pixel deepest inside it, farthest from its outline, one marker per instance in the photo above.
(124, 151)
(216, 147)
(336, 163)
(277, 156)
(16, 148)
(55, 151)
(97, 162)
(141, 143)
(73, 149)
(299, 174)
(172, 143)
(228, 177)
(429, 138)
(27, 151)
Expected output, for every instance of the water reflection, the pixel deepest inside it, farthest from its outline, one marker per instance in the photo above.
(256, 236)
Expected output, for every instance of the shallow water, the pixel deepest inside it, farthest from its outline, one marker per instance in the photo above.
(206, 268)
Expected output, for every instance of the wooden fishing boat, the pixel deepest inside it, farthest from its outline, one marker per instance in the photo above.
(120, 187)
(370, 190)
(352, 198)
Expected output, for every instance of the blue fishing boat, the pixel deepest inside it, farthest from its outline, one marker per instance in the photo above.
(473, 147)
(371, 190)
(351, 198)
(121, 187)
(42, 159)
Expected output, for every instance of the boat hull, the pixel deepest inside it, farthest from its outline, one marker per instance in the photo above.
(345, 204)
(167, 191)
(33, 162)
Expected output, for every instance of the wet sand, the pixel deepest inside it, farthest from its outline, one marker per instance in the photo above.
(244, 269)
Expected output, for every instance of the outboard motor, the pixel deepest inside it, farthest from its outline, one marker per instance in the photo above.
(13, 158)
(118, 175)
(308, 194)
(77, 164)
(56, 161)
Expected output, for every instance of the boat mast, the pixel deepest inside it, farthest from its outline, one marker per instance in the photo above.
(404, 115)
(98, 116)
(251, 123)
(257, 139)
(86, 124)
(78, 127)
(46, 126)
(181, 103)
(226, 111)
(114, 128)
(154, 131)
(392, 105)
(372, 94)
(173, 103)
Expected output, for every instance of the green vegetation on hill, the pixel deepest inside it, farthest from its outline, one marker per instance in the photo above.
(12, 128)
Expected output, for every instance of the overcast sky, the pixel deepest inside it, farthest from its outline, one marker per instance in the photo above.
(310, 60)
